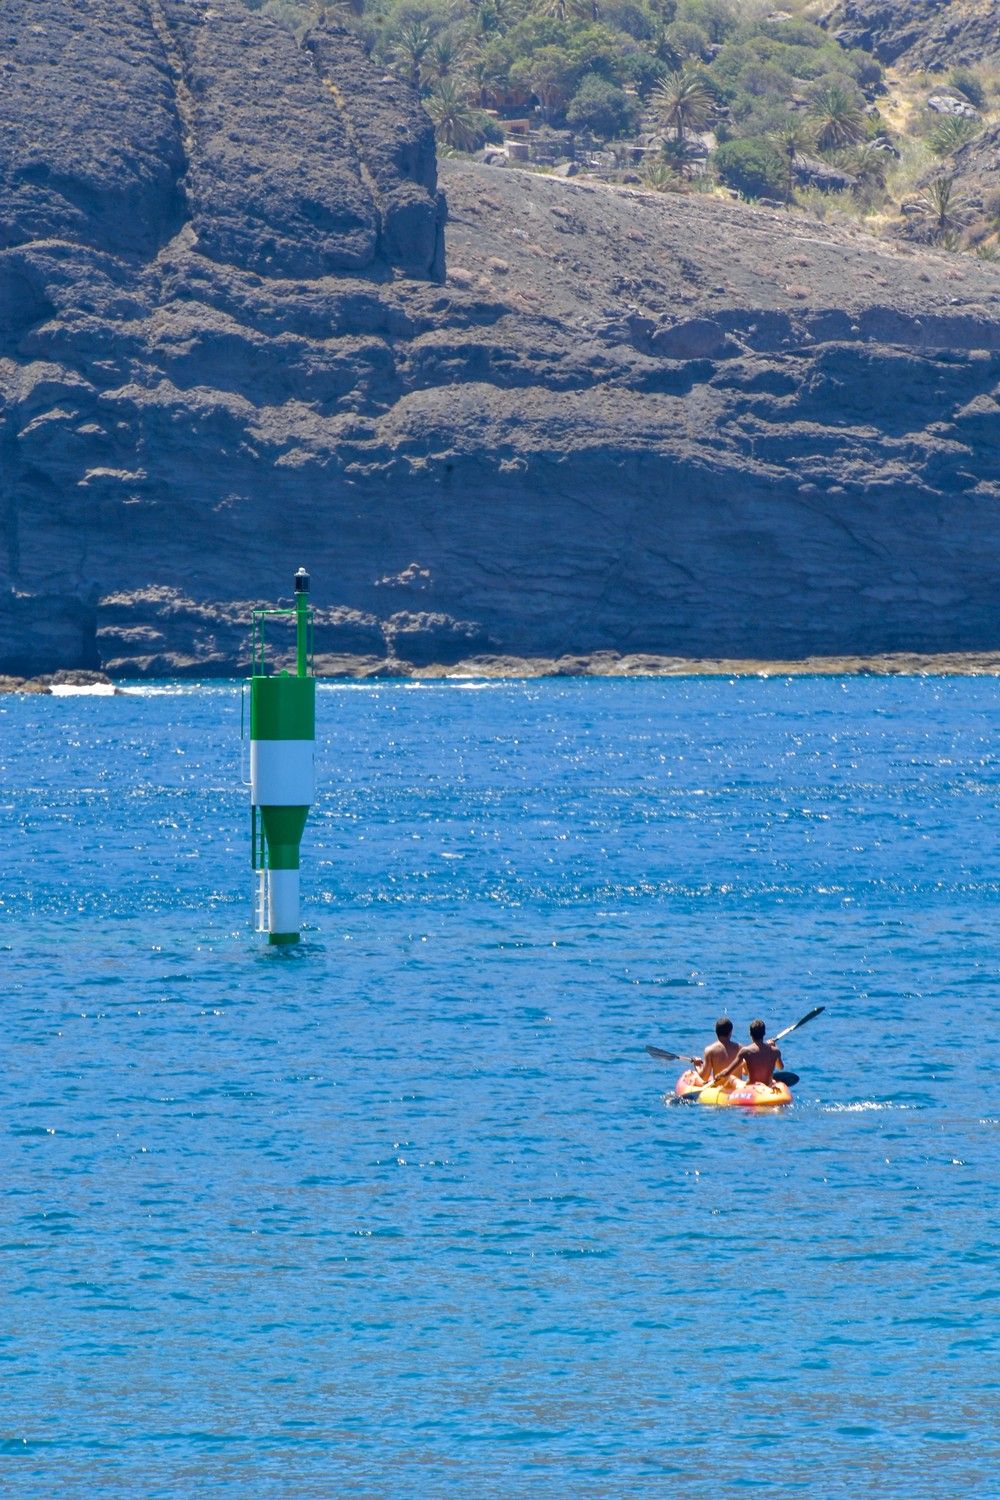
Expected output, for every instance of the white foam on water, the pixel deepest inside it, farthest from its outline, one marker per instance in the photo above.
(466, 684)
(178, 689)
(863, 1106)
(82, 690)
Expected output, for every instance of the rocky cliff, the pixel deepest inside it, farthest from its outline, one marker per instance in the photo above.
(932, 34)
(623, 421)
(976, 169)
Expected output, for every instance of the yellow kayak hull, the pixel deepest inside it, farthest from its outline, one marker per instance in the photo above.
(747, 1095)
(734, 1093)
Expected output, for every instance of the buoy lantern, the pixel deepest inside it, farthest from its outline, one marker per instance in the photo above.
(282, 767)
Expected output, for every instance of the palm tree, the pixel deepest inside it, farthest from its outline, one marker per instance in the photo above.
(867, 162)
(661, 177)
(950, 133)
(791, 139)
(492, 16)
(411, 45)
(662, 47)
(946, 212)
(490, 78)
(454, 119)
(565, 10)
(443, 55)
(837, 117)
(674, 154)
(683, 102)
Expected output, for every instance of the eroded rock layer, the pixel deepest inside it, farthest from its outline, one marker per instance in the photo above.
(933, 34)
(624, 422)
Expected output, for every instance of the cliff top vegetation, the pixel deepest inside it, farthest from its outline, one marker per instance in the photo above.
(734, 96)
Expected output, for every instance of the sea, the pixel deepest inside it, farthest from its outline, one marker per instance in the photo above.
(408, 1210)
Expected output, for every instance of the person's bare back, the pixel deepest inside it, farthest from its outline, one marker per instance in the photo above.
(759, 1058)
(720, 1053)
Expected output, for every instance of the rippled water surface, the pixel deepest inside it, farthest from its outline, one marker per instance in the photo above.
(402, 1212)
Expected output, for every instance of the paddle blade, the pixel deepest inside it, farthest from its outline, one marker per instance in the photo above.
(809, 1016)
(663, 1055)
(784, 1075)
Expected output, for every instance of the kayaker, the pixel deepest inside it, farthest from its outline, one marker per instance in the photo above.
(719, 1052)
(760, 1057)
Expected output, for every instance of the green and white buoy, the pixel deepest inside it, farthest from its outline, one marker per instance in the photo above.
(282, 767)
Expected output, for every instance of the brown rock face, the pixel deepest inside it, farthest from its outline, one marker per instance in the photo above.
(976, 168)
(125, 125)
(91, 139)
(931, 34)
(625, 422)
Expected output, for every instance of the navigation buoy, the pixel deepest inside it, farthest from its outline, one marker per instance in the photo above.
(282, 767)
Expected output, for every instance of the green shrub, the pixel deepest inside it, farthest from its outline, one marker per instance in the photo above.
(753, 167)
(794, 33)
(802, 64)
(661, 177)
(686, 41)
(643, 70)
(716, 18)
(969, 85)
(763, 117)
(634, 19)
(951, 132)
(551, 74)
(600, 107)
(765, 80)
(866, 70)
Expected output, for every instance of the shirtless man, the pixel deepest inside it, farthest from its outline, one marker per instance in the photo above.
(724, 1051)
(760, 1058)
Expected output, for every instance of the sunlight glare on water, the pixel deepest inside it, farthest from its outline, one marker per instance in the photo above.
(403, 1212)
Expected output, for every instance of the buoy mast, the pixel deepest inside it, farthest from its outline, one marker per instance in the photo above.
(282, 767)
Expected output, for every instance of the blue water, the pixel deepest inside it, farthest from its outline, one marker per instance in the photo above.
(403, 1212)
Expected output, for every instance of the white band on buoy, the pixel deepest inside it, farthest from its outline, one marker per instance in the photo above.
(282, 773)
(283, 901)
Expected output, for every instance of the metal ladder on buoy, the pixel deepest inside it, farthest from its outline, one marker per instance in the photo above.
(257, 859)
(260, 901)
(259, 863)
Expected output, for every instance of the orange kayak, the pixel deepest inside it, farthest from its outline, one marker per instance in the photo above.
(735, 1091)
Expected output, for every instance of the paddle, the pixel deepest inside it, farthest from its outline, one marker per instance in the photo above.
(665, 1056)
(809, 1016)
(783, 1075)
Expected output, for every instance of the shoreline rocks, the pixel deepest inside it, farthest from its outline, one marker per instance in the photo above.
(613, 664)
(597, 664)
(68, 678)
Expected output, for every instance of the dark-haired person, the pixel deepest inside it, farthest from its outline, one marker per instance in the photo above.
(760, 1058)
(719, 1053)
